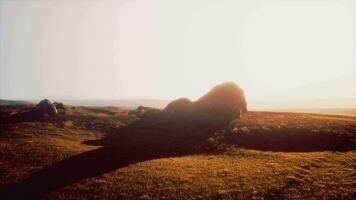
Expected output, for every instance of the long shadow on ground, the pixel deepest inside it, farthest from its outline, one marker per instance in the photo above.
(152, 137)
(160, 135)
(294, 140)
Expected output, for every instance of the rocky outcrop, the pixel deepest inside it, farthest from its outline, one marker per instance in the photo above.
(59, 105)
(42, 111)
(226, 100)
(45, 109)
(180, 106)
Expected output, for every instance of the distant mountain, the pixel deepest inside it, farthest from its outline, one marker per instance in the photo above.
(343, 87)
(327, 111)
(335, 93)
(303, 104)
(318, 106)
(5, 102)
(338, 94)
(126, 103)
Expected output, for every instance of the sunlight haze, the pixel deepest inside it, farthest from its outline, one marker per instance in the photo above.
(159, 49)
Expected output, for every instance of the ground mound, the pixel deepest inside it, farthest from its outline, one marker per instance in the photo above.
(180, 106)
(60, 107)
(225, 100)
(150, 155)
(45, 109)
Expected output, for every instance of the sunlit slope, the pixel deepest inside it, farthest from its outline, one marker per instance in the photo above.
(235, 174)
(228, 170)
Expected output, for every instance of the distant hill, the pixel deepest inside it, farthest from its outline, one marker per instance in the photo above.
(343, 87)
(303, 104)
(346, 106)
(108, 153)
(325, 111)
(4, 102)
(343, 106)
(126, 103)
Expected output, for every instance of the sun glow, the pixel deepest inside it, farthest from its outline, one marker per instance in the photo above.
(168, 49)
(287, 45)
(265, 48)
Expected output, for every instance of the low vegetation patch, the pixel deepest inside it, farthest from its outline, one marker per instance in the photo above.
(259, 156)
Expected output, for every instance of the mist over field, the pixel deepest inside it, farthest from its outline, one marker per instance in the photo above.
(156, 49)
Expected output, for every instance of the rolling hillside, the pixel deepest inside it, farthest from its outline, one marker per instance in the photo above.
(263, 155)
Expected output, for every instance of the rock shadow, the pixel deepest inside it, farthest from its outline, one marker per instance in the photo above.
(293, 140)
(155, 136)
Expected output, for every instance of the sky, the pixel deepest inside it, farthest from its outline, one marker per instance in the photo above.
(165, 49)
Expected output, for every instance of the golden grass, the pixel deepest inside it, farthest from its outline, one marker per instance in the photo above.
(235, 173)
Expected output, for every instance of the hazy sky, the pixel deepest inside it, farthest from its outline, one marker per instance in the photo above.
(171, 48)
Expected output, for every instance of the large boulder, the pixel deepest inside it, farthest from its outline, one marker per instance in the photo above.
(180, 106)
(42, 111)
(226, 100)
(59, 105)
(45, 109)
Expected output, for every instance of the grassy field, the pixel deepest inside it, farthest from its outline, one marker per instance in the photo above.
(263, 155)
